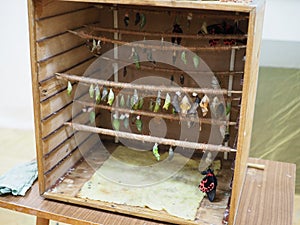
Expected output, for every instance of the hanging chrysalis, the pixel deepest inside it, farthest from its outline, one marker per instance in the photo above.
(181, 79)
(189, 19)
(128, 102)
(124, 71)
(185, 105)
(174, 57)
(136, 58)
(104, 94)
(92, 91)
(176, 30)
(143, 21)
(151, 105)
(203, 29)
(134, 100)
(175, 103)
(137, 18)
(155, 152)
(126, 121)
(111, 97)
(122, 101)
(149, 57)
(141, 103)
(204, 105)
(139, 123)
(228, 109)
(196, 61)
(116, 122)
(69, 88)
(215, 83)
(126, 19)
(167, 102)
(92, 117)
(193, 109)
(172, 79)
(183, 57)
(97, 94)
(157, 102)
(171, 153)
(94, 45)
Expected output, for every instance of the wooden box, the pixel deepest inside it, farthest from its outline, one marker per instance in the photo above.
(69, 45)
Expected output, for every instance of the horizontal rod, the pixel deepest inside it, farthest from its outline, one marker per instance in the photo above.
(144, 87)
(170, 70)
(160, 115)
(84, 35)
(146, 138)
(156, 34)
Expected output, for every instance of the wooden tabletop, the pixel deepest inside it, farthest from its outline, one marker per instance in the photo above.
(267, 198)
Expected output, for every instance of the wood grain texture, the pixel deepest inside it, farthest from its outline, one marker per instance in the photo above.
(273, 185)
(211, 5)
(268, 195)
(34, 204)
(60, 24)
(42, 221)
(62, 62)
(248, 103)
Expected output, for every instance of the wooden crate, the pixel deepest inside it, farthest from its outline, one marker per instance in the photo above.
(61, 38)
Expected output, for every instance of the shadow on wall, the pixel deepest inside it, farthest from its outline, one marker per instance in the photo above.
(276, 126)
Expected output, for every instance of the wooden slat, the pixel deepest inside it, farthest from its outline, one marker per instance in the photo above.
(53, 86)
(34, 204)
(59, 24)
(212, 5)
(56, 45)
(52, 8)
(64, 150)
(60, 135)
(35, 92)
(56, 103)
(247, 105)
(62, 62)
(52, 177)
(268, 195)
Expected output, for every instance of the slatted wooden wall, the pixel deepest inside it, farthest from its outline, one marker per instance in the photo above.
(53, 50)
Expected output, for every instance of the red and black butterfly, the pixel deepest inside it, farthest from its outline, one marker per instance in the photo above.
(209, 184)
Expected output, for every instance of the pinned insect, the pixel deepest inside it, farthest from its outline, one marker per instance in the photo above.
(155, 152)
(126, 19)
(69, 88)
(209, 184)
(176, 30)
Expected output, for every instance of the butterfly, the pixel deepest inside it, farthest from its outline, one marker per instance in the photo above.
(209, 184)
